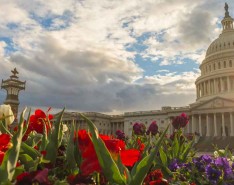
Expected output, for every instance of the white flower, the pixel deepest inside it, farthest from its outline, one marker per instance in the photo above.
(5, 111)
(65, 128)
(219, 153)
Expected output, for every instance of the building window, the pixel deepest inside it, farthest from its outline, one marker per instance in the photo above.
(210, 67)
(230, 63)
(214, 66)
(219, 66)
(224, 64)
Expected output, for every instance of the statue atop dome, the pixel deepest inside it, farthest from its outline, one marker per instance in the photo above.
(226, 10)
(227, 21)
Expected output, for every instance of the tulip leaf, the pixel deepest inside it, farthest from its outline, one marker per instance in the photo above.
(44, 140)
(70, 152)
(140, 169)
(7, 169)
(30, 151)
(163, 156)
(108, 165)
(186, 150)
(53, 144)
(27, 161)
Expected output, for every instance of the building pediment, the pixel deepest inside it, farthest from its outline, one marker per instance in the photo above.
(214, 103)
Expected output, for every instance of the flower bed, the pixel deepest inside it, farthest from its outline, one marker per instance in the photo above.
(37, 151)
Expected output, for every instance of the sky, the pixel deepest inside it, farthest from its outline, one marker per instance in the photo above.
(109, 56)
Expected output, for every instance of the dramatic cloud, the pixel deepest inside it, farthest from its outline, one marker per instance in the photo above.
(107, 56)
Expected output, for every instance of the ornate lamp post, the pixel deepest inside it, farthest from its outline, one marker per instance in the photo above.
(13, 85)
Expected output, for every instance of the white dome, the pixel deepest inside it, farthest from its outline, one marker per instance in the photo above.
(225, 42)
(217, 69)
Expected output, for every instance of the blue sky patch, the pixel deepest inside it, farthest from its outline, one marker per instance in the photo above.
(10, 45)
(49, 22)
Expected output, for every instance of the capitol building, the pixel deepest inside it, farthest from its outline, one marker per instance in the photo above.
(211, 115)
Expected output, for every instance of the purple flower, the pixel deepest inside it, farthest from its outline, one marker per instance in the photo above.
(180, 121)
(223, 163)
(153, 128)
(206, 158)
(213, 174)
(173, 166)
(120, 135)
(139, 128)
(199, 164)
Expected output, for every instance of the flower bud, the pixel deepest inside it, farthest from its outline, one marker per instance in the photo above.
(153, 128)
(6, 112)
(180, 121)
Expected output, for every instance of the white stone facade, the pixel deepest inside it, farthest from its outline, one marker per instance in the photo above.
(213, 112)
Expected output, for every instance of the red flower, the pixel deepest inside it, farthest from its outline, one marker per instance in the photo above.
(38, 120)
(141, 145)
(155, 178)
(115, 146)
(129, 157)
(43, 152)
(4, 142)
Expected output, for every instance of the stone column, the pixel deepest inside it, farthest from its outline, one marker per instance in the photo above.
(200, 126)
(207, 125)
(215, 126)
(228, 84)
(221, 84)
(223, 126)
(231, 125)
(193, 124)
(215, 90)
(203, 88)
(197, 86)
(209, 87)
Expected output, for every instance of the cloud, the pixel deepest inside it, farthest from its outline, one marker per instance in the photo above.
(81, 54)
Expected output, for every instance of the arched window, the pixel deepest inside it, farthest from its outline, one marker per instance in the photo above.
(230, 63)
(219, 66)
(214, 66)
(224, 64)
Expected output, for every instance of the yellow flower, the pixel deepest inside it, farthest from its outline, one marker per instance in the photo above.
(7, 114)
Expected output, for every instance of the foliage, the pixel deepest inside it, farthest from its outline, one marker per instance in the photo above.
(37, 151)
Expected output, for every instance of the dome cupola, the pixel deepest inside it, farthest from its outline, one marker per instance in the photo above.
(217, 69)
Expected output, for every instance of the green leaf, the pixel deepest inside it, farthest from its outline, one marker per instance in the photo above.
(7, 169)
(108, 165)
(53, 144)
(175, 147)
(70, 152)
(140, 170)
(27, 161)
(33, 153)
(44, 140)
(186, 150)
(4, 129)
(163, 156)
